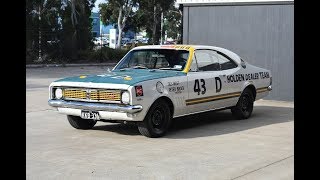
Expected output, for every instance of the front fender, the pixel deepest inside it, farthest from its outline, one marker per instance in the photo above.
(151, 94)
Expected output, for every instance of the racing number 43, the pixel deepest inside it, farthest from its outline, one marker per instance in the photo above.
(197, 88)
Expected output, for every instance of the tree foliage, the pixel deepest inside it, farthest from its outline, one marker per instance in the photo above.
(48, 27)
(64, 28)
(76, 26)
(173, 23)
(149, 16)
(117, 12)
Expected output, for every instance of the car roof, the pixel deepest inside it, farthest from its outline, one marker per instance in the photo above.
(229, 53)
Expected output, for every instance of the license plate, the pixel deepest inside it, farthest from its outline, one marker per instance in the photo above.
(90, 115)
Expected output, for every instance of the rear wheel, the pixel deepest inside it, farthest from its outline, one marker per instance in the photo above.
(79, 123)
(157, 120)
(244, 107)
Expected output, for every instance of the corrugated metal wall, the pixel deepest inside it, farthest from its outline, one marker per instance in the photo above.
(261, 34)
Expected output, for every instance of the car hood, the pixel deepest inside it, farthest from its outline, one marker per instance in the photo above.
(128, 76)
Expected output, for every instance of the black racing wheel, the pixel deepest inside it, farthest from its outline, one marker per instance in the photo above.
(244, 107)
(157, 120)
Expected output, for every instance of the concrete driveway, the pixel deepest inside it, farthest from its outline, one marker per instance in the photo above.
(207, 146)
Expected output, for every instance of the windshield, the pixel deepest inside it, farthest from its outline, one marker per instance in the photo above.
(164, 59)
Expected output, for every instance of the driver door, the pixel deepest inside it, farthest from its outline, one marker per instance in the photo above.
(203, 81)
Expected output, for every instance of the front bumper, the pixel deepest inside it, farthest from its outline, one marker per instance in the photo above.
(95, 106)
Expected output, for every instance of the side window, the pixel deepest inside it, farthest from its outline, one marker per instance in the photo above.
(207, 60)
(226, 62)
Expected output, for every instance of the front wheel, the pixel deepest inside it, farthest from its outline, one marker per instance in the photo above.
(79, 123)
(244, 107)
(157, 120)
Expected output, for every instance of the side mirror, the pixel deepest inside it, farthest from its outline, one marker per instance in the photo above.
(243, 64)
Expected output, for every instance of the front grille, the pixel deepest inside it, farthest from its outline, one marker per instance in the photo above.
(75, 94)
(92, 95)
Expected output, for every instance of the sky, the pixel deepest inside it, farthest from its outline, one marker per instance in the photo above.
(96, 8)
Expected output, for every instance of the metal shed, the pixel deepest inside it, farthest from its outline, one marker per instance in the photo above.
(261, 32)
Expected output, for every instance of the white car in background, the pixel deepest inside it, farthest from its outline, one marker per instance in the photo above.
(97, 41)
(153, 84)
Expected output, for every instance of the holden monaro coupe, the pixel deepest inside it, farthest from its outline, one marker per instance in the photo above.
(153, 84)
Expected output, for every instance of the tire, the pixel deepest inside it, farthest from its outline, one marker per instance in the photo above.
(157, 120)
(79, 123)
(244, 107)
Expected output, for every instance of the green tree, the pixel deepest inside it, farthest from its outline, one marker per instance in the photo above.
(149, 14)
(57, 28)
(172, 23)
(117, 12)
(76, 27)
(41, 26)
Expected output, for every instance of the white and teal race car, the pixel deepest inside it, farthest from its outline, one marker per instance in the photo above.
(153, 84)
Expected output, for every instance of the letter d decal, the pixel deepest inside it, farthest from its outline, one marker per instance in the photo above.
(218, 89)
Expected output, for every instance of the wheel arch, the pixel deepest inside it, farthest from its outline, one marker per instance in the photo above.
(168, 101)
(252, 88)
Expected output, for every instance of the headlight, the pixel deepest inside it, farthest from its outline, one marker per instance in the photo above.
(125, 97)
(58, 93)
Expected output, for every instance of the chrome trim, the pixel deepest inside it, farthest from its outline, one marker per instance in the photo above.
(269, 88)
(95, 106)
(90, 100)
